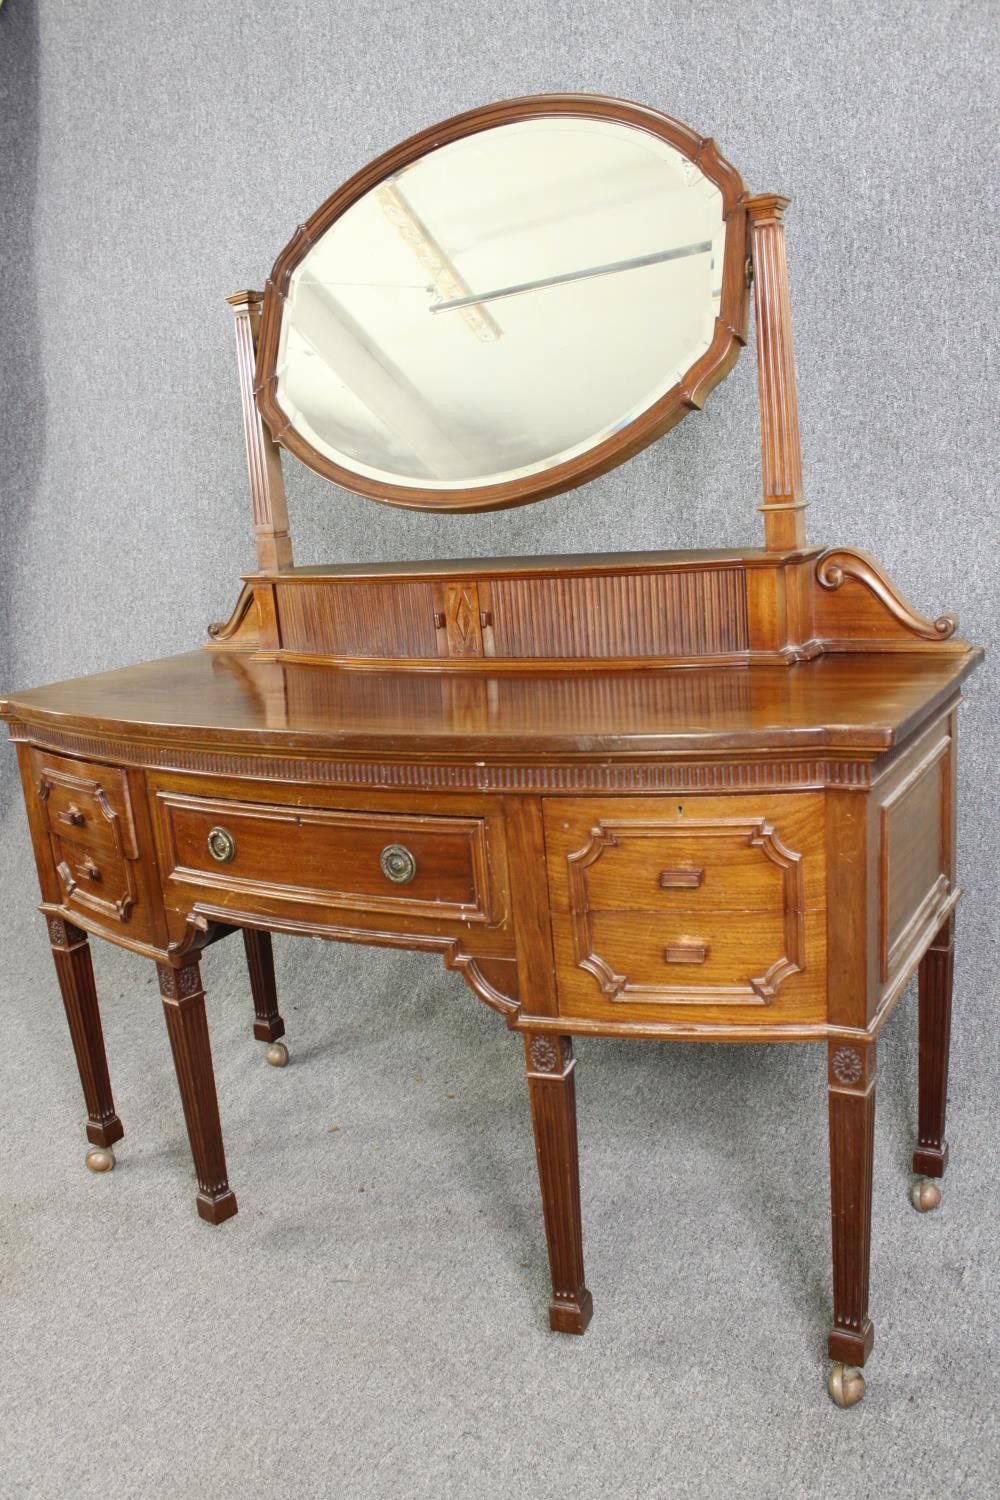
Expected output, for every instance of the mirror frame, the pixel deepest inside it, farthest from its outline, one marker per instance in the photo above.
(689, 393)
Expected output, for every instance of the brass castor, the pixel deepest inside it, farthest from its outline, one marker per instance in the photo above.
(925, 1195)
(276, 1055)
(846, 1385)
(101, 1159)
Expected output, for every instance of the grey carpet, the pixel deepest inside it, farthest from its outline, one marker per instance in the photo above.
(373, 1321)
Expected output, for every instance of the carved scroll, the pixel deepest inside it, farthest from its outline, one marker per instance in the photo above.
(841, 563)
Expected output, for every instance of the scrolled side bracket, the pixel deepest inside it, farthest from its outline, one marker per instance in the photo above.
(839, 564)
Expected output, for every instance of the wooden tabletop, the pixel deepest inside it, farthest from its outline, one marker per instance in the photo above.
(862, 702)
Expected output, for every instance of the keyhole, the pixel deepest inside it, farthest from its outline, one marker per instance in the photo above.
(680, 810)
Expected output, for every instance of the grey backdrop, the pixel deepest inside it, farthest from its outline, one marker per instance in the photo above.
(154, 159)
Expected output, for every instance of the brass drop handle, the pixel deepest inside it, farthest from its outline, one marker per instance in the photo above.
(688, 878)
(397, 864)
(686, 951)
(221, 845)
(73, 816)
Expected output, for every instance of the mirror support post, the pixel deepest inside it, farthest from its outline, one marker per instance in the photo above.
(267, 488)
(781, 454)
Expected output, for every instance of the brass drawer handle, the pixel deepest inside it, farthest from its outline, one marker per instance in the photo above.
(686, 951)
(397, 864)
(221, 845)
(685, 879)
(73, 816)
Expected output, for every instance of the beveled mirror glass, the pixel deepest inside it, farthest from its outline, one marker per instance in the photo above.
(485, 319)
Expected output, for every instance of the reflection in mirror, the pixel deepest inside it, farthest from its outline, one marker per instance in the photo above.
(503, 304)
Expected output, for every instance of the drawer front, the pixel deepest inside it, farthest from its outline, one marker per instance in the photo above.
(712, 854)
(707, 908)
(422, 866)
(86, 804)
(736, 958)
(91, 828)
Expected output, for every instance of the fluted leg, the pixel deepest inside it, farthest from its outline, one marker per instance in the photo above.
(71, 952)
(184, 1007)
(931, 1155)
(552, 1091)
(268, 1025)
(852, 1143)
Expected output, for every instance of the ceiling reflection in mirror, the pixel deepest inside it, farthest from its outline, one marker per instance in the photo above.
(503, 304)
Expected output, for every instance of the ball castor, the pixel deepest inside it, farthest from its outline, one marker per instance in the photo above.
(100, 1159)
(276, 1055)
(925, 1195)
(846, 1385)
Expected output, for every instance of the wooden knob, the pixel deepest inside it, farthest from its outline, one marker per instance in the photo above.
(397, 864)
(73, 816)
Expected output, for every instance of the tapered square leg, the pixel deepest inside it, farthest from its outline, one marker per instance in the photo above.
(851, 1094)
(934, 1029)
(184, 1007)
(268, 1025)
(552, 1091)
(71, 952)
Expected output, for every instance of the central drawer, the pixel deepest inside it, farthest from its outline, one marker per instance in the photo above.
(390, 862)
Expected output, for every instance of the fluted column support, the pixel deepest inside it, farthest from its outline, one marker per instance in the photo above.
(851, 1093)
(552, 1090)
(934, 1027)
(187, 1026)
(71, 953)
(781, 452)
(267, 487)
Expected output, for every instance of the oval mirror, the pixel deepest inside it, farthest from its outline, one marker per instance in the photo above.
(506, 305)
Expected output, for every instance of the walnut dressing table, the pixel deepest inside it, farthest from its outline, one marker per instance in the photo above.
(678, 796)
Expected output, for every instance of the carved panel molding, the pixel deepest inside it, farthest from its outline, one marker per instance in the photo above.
(755, 988)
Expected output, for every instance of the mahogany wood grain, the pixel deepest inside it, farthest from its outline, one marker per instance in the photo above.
(766, 969)
(331, 857)
(552, 1091)
(841, 708)
(187, 1027)
(851, 1094)
(934, 1001)
(268, 1025)
(747, 853)
(531, 917)
(71, 952)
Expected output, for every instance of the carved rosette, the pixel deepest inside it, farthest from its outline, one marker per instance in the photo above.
(63, 934)
(846, 1065)
(550, 1054)
(179, 984)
